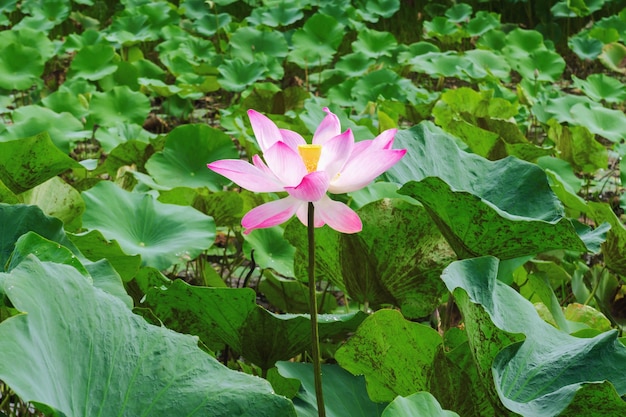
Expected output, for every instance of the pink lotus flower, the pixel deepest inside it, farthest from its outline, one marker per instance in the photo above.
(333, 163)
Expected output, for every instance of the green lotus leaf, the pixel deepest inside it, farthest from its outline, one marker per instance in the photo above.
(382, 83)
(440, 27)
(608, 123)
(118, 366)
(20, 66)
(65, 101)
(93, 62)
(354, 64)
(489, 63)
(232, 316)
(64, 129)
(291, 296)
(188, 149)
(28, 162)
(58, 199)
(585, 48)
(209, 25)
(270, 250)
(247, 43)
(116, 137)
(95, 247)
(613, 55)
(32, 38)
(101, 273)
(130, 30)
(475, 227)
(394, 354)
(372, 268)
(418, 404)
(374, 44)
(578, 146)
(342, 391)
(459, 13)
(284, 15)
(19, 219)
(456, 381)
(236, 74)
(163, 234)
(317, 42)
(530, 375)
(489, 180)
(54, 11)
(119, 105)
(527, 54)
(559, 108)
(601, 87)
(482, 23)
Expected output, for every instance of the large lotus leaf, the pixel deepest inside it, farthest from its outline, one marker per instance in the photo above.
(286, 14)
(375, 269)
(20, 66)
(456, 381)
(18, 219)
(93, 62)
(188, 149)
(528, 55)
(608, 123)
(374, 44)
(601, 87)
(548, 373)
(514, 186)
(578, 146)
(226, 207)
(119, 105)
(247, 42)
(102, 273)
(32, 38)
(64, 129)
(26, 163)
(343, 392)
(270, 250)
(237, 74)
(395, 355)
(292, 296)
(58, 199)
(613, 55)
(615, 246)
(163, 234)
(232, 316)
(420, 404)
(475, 227)
(80, 351)
(316, 42)
(95, 247)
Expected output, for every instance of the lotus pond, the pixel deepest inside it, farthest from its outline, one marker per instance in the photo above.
(487, 279)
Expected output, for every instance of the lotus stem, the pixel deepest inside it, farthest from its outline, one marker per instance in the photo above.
(315, 338)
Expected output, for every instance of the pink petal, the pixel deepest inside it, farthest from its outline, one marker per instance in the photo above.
(246, 175)
(338, 216)
(258, 162)
(270, 214)
(312, 187)
(328, 128)
(385, 139)
(285, 163)
(291, 138)
(363, 169)
(265, 131)
(335, 153)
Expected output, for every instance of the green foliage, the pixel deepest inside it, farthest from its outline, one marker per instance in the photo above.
(111, 112)
(77, 336)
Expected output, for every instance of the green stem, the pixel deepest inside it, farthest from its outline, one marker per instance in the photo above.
(315, 338)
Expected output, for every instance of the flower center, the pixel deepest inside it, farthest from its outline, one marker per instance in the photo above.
(310, 155)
